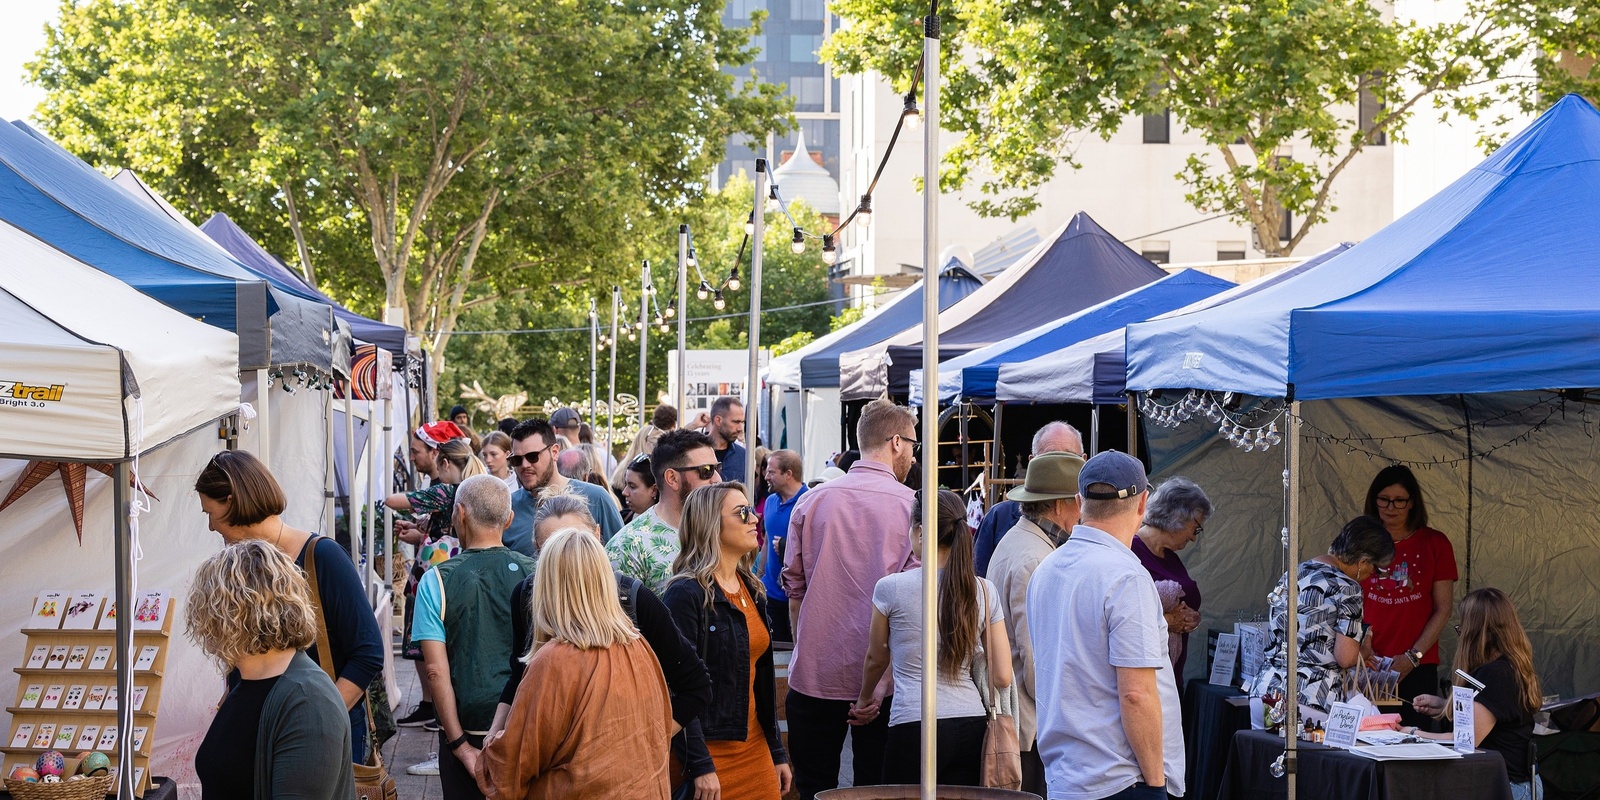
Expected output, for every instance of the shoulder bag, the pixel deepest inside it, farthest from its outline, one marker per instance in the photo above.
(1002, 750)
(372, 779)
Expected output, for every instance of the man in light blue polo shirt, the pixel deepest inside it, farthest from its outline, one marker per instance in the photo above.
(534, 449)
(1108, 717)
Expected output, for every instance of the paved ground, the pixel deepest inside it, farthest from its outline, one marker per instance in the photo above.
(412, 745)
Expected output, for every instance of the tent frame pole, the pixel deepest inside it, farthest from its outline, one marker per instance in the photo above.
(263, 416)
(354, 508)
(330, 478)
(752, 381)
(997, 460)
(611, 397)
(1291, 544)
(374, 489)
(1133, 427)
(644, 336)
(122, 543)
(683, 322)
(1094, 429)
(386, 578)
(930, 391)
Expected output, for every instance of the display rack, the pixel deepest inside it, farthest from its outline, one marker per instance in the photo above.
(62, 693)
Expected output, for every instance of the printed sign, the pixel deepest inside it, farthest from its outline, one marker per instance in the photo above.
(1252, 647)
(1461, 700)
(1227, 658)
(711, 374)
(1344, 722)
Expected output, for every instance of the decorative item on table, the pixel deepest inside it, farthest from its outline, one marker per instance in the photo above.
(1381, 686)
(24, 774)
(93, 764)
(1272, 712)
(50, 762)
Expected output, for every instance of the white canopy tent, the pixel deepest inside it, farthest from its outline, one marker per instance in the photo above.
(93, 371)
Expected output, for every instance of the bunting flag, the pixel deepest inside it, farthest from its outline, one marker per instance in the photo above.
(73, 476)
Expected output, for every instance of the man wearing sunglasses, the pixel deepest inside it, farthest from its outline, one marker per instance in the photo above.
(843, 536)
(645, 548)
(534, 449)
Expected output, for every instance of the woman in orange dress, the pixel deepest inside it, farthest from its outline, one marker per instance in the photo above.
(721, 608)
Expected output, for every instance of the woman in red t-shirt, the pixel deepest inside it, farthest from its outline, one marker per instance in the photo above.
(1409, 606)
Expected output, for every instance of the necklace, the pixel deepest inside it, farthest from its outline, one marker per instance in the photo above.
(280, 533)
(737, 593)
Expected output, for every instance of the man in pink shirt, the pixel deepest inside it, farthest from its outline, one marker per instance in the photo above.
(843, 536)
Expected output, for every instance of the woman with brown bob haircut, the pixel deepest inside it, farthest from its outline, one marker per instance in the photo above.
(280, 730)
(245, 503)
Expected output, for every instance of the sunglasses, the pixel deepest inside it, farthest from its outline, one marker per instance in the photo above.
(703, 471)
(532, 457)
(746, 514)
(642, 458)
(916, 446)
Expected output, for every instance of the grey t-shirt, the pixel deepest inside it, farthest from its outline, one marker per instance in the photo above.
(899, 598)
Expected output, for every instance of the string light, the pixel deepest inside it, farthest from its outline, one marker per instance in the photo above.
(704, 291)
(912, 115)
(672, 308)
(774, 205)
(797, 245)
(864, 211)
(750, 224)
(830, 254)
(692, 260)
(717, 302)
(733, 279)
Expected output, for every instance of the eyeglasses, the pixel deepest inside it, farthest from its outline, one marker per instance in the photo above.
(1198, 529)
(1393, 502)
(532, 458)
(746, 514)
(702, 471)
(1382, 572)
(1457, 626)
(916, 446)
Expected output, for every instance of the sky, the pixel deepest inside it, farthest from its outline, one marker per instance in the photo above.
(21, 36)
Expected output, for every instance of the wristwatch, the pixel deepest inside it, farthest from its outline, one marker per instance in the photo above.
(1415, 656)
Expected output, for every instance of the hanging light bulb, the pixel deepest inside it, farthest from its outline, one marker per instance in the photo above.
(691, 259)
(672, 308)
(798, 243)
(750, 224)
(717, 302)
(659, 320)
(663, 328)
(864, 211)
(912, 115)
(633, 335)
(774, 205)
(704, 291)
(830, 254)
(733, 283)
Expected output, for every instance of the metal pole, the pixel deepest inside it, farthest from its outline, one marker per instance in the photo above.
(930, 406)
(1094, 429)
(1133, 428)
(387, 576)
(264, 416)
(122, 536)
(330, 480)
(683, 321)
(997, 461)
(645, 287)
(351, 496)
(594, 358)
(375, 490)
(611, 401)
(752, 381)
(1291, 694)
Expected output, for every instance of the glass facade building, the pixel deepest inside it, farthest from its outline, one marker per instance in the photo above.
(792, 34)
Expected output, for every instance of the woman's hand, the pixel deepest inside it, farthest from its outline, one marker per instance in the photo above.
(863, 712)
(1431, 705)
(785, 778)
(408, 532)
(707, 787)
(1182, 619)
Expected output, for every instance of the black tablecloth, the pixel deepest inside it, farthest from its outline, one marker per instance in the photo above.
(1209, 723)
(1331, 774)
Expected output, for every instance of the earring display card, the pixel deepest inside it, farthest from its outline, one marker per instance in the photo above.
(108, 617)
(96, 698)
(23, 735)
(47, 610)
(138, 737)
(111, 699)
(138, 697)
(78, 656)
(58, 657)
(74, 698)
(82, 611)
(147, 657)
(44, 735)
(87, 738)
(31, 695)
(150, 610)
(37, 658)
(108, 738)
(52, 696)
(65, 736)
(101, 657)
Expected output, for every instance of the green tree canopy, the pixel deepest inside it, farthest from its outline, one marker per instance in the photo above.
(1250, 78)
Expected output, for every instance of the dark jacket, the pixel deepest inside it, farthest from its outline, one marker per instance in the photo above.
(303, 748)
(727, 656)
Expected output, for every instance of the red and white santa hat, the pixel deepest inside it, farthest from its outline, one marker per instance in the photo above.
(434, 434)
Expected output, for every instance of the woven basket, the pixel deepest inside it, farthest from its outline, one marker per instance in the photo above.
(84, 789)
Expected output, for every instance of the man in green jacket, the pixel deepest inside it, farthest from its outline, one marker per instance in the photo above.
(463, 625)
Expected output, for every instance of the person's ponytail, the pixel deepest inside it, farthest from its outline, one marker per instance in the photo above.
(958, 601)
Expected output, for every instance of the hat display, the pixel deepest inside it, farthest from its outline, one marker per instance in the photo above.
(1117, 469)
(1051, 476)
(565, 418)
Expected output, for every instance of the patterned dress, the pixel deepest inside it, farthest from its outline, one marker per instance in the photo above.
(645, 549)
(1330, 605)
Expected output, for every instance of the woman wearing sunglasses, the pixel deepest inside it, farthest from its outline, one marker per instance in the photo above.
(721, 609)
(1409, 607)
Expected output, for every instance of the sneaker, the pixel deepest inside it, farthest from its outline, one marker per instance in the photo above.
(432, 726)
(419, 716)
(429, 767)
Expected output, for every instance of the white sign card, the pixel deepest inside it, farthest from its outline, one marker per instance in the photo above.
(1227, 656)
(1344, 722)
(1461, 698)
(1252, 647)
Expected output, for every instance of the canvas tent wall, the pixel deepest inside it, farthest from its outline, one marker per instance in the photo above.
(1078, 266)
(1450, 326)
(162, 380)
(971, 376)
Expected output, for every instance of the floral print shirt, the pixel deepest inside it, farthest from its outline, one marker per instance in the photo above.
(645, 549)
(1330, 606)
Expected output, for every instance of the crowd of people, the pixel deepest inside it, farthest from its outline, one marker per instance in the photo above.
(594, 628)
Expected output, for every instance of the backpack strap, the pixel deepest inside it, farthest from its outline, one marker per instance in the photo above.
(628, 595)
(324, 648)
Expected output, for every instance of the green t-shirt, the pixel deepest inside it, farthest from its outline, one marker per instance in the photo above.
(466, 603)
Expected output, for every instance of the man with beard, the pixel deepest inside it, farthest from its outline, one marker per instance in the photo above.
(726, 429)
(534, 450)
(646, 547)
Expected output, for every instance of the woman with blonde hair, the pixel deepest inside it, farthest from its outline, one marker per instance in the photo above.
(591, 718)
(721, 608)
(281, 730)
(1493, 648)
(436, 542)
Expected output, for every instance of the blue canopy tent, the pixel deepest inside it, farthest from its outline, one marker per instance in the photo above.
(1079, 266)
(972, 376)
(58, 198)
(1436, 344)
(232, 238)
(1094, 370)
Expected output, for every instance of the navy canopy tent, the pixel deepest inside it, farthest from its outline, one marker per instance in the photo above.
(1491, 285)
(58, 198)
(819, 361)
(1080, 266)
(231, 237)
(972, 376)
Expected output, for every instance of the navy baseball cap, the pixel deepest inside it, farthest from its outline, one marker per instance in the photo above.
(1112, 468)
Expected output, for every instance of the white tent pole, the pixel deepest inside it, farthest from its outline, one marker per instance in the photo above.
(352, 498)
(930, 411)
(594, 358)
(376, 490)
(123, 541)
(1291, 694)
(644, 335)
(1094, 430)
(611, 397)
(386, 578)
(683, 321)
(752, 403)
(331, 478)
(263, 417)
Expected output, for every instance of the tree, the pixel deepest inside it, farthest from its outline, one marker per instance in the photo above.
(445, 154)
(1251, 78)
